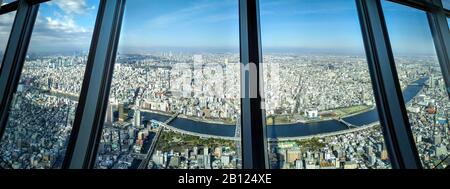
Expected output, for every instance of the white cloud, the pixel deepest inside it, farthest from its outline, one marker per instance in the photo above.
(65, 24)
(73, 6)
(59, 33)
(6, 21)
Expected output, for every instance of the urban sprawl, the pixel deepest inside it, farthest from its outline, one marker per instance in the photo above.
(206, 88)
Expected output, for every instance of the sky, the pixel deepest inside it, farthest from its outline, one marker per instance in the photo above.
(197, 24)
(330, 26)
(64, 26)
(6, 21)
(310, 25)
(408, 30)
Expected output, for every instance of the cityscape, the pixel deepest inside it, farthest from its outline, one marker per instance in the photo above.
(153, 104)
(174, 101)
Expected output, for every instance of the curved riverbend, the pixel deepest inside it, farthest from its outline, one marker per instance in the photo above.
(287, 130)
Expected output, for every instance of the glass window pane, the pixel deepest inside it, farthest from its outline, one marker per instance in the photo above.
(42, 111)
(320, 107)
(180, 62)
(6, 22)
(421, 79)
(446, 4)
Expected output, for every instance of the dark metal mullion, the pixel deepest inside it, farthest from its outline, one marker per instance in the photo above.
(390, 104)
(14, 57)
(37, 1)
(87, 128)
(253, 137)
(424, 5)
(441, 36)
(13, 5)
(377, 85)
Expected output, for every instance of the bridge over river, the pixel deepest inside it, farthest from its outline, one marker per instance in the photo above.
(277, 132)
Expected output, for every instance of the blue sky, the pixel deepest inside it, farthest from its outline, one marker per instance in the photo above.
(311, 25)
(199, 24)
(64, 26)
(286, 25)
(332, 26)
(408, 30)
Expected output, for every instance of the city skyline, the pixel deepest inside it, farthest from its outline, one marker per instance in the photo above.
(47, 94)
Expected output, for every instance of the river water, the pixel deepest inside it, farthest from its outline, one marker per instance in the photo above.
(287, 130)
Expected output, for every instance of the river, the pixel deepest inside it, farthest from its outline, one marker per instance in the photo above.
(287, 130)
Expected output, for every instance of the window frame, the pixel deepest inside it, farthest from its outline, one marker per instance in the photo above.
(396, 129)
(15, 53)
(87, 128)
(89, 116)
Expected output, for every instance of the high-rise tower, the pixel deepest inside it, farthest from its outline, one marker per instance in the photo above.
(137, 115)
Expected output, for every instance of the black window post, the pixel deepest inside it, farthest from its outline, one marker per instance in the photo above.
(9, 7)
(15, 55)
(254, 142)
(87, 128)
(441, 36)
(388, 95)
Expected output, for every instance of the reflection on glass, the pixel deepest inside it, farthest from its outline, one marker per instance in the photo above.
(175, 96)
(320, 107)
(6, 22)
(417, 63)
(43, 107)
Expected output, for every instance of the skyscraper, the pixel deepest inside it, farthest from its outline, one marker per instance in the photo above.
(122, 115)
(109, 115)
(137, 115)
(206, 158)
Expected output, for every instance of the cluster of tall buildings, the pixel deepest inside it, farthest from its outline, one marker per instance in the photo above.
(196, 158)
(305, 86)
(354, 150)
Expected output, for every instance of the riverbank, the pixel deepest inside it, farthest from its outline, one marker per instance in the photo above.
(342, 113)
(293, 130)
(195, 119)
